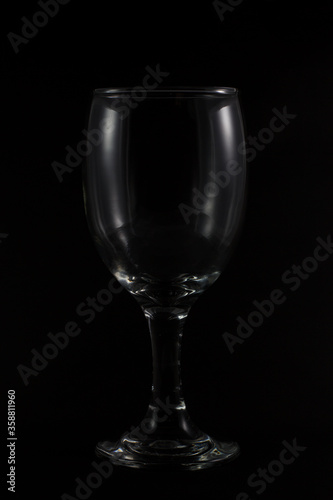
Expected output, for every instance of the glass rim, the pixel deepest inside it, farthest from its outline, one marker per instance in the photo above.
(173, 91)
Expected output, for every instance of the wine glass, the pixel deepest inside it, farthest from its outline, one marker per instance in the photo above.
(164, 191)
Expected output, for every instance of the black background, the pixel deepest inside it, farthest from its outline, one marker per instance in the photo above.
(278, 384)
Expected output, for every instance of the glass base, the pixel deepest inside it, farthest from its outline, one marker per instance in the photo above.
(194, 454)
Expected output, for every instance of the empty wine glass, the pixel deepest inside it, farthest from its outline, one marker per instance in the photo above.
(164, 190)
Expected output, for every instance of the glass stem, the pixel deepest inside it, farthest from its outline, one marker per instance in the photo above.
(167, 417)
(166, 334)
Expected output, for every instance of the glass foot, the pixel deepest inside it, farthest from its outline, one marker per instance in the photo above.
(194, 454)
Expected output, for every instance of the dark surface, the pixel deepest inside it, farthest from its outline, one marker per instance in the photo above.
(277, 386)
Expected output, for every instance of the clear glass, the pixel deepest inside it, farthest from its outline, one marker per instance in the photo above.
(164, 190)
